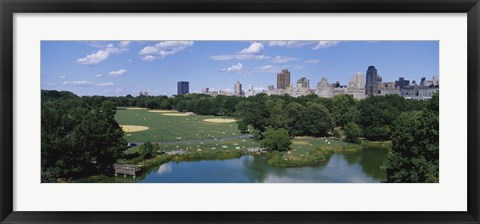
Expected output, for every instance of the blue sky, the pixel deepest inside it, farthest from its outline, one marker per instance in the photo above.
(118, 68)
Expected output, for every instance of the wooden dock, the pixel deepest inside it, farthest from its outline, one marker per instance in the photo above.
(126, 169)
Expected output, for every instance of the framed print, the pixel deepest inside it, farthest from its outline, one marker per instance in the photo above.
(261, 112)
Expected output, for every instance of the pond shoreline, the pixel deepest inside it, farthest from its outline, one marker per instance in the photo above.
(288, 159)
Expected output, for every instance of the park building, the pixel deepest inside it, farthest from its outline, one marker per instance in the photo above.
(183, 87)
(283, 79)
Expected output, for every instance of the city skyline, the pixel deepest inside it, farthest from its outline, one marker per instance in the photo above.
(119, 68)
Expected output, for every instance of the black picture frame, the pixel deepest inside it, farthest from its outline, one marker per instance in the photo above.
(9, 7)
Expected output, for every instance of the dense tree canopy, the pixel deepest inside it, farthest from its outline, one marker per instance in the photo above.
(377, 113)
(415, 146)
(79, 136)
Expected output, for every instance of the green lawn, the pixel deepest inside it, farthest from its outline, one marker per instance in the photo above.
(168, 128)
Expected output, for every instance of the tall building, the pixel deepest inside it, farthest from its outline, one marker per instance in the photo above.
(356, 86)
(436, 81)
(324, 89)
(182, 87)
(237, 89)
(357, 81)
(271, 87)
(303, 83)
(283, 79)
(401, 83)
(371, 83)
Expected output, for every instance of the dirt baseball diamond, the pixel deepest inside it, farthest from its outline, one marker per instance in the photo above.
(135, 108)
(162, 111)
(133, 128)
(219, 120)
(300, 142)
(176, 114)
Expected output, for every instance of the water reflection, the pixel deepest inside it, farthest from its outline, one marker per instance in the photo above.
(349, 167)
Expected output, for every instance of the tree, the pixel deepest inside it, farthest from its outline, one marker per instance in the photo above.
(146, 150)
(254, 112)
(415, 146)
(79, 136)
(316, 120)
(377, 114)
(243, 127)
(278, 117)
(344, 109)
(295, 113)
(276, 140)
(352, 133)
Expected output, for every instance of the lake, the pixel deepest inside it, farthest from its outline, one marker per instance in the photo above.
(362, 166)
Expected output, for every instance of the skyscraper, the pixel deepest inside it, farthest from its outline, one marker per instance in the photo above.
(371, 84)
(401, 83)
(303, 83)
(283, 79)
(237, 88)
(182, 87)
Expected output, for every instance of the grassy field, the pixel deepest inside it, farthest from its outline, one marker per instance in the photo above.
(180, 132)
(169, 128)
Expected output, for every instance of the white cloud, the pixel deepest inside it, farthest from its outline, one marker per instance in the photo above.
(282, 59)
(254, 48)
(98, 75)
(290, 44)
(101, 55)
(238, 57)
(253, 52)
(130, 60)
(267, 69)
(163, 49)
(94, 58)
(62, 76)
(105, 84)
(315, 45)
(118, 72)
(312, 61)
(324, 44)
(234, 68)
(84, 83)
(124, 43)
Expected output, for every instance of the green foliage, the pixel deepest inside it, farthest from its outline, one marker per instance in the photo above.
(316, 121)
(79, 136)
(254, 112)
(336, 134)
(377, 114)
(243, 127)
(276, 140)
(344, 109)
(352, 133)
(312, 158)
(146, 150)
(415, 146)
